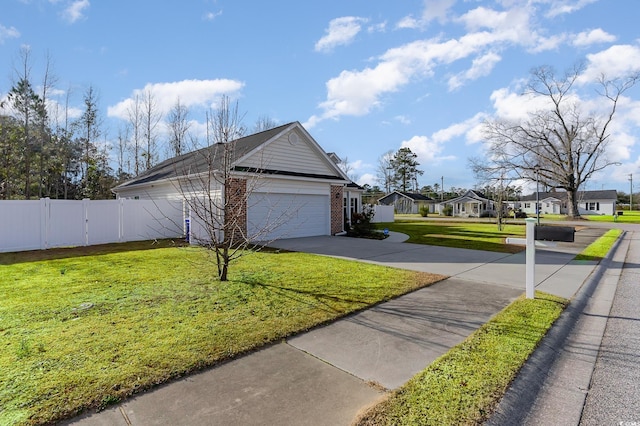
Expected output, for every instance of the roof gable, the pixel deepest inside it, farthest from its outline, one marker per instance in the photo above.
(410, 195)
(248, 154)
(468, 196)
(291, 151)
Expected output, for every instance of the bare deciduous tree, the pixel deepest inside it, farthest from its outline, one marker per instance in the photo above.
(384, 170)
(134, 111)
(264, 122)
(151, 118)
(564, 144)
(217, 193)
(178, 124)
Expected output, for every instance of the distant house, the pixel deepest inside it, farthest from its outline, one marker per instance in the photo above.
(589, 202)
(408, 202)
(470, 204)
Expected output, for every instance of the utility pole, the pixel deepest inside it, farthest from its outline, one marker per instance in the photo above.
(630, 191)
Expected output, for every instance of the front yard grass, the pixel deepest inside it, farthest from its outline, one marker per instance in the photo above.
(471, 235)
(83, 330)
(464, 385)
(598, 249)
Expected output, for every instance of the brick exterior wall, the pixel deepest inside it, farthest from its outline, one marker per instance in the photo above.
(237, 190)
(337, 221)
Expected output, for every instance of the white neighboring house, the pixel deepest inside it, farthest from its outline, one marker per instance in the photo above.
(469, 204)
(589, 202)
(280, 174)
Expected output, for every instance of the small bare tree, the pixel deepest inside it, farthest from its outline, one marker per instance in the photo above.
(178, 125)
(562, 145)
(217, 191)
(151, 119)
(134, 113)
(384, 171)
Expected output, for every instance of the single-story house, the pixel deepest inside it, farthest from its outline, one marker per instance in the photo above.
(407, 202)
(284, 182)
(589, 202)
(469, 204)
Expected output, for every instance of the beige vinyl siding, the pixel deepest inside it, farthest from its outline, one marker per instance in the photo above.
(163, 190)
(301, 157)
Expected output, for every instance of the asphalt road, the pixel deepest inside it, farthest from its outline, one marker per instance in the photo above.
(614, 394)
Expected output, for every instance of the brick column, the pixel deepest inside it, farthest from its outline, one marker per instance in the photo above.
(337, 221)
(237, 190)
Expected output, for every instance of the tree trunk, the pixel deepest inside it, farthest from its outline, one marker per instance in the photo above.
(572, 204)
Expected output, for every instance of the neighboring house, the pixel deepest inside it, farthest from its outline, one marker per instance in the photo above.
(589, 202)
(407, 202)
(470, 204)
(283, 180)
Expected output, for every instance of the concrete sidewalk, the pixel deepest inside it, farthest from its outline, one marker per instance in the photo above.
(326, 376)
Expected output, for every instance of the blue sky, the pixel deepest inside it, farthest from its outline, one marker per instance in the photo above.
(363, 76)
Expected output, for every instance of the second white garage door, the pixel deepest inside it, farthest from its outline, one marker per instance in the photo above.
(277, 216)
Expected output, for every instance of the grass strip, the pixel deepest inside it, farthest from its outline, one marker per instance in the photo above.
(600, 247)
(471, 235)
(84, 328)
(463, 386)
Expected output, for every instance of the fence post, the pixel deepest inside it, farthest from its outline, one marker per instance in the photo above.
(85, 208)
(44, 223)
(120, 219)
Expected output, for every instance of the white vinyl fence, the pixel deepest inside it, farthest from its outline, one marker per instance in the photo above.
(382, 213)
(46, 223)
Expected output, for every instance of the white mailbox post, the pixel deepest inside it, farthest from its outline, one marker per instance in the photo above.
(530, 258)
(530, 243)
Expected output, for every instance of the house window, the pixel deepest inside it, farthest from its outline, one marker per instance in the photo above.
(527, 205)
(354, 205)
(593, 206)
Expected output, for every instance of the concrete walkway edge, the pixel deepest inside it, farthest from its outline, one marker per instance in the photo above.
(521, 399)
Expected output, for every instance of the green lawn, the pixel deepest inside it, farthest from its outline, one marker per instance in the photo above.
(464, 385)
(600, 247)
(463, 234)
(627, 217)
(83, 328)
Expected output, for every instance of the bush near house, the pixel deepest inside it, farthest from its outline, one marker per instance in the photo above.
(361, 225)
(424, 211)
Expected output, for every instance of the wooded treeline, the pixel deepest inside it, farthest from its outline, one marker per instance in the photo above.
(50, 147)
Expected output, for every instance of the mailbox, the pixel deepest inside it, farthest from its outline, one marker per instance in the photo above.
(555, 233)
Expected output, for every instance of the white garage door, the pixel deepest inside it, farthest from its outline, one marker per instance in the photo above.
(277, 216)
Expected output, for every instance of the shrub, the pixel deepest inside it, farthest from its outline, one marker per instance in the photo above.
(447, 210)
(488, 213)
(361, 223)
(519, 214)
(424, 211)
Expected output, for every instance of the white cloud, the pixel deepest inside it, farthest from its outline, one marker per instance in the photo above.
(587, 38)
(75, 10)
(562, 7)
(199, 93)
(377, 28)
(402, 119)
(210, 16)
(469, 128)
(616, 61)
(481, 67)
(368, 179)
(7, 33)
(512, 105)
(433, 10)
(341, 32)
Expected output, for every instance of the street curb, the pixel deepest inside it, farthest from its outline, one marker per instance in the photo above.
(517, 403)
